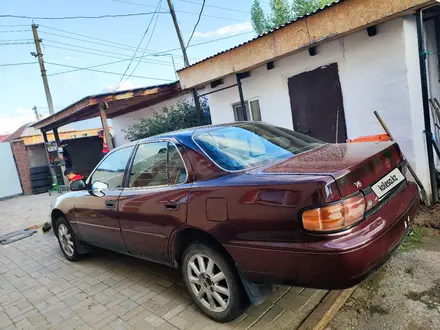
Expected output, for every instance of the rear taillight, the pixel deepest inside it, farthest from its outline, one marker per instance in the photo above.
(336, 216)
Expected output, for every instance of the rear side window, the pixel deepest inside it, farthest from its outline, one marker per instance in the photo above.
(111, 170)
(246, 146)
(157, 164)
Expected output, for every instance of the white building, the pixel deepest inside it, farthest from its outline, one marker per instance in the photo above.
(326, 73)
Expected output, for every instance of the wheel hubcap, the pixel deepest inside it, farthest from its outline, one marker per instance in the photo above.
(208, 283)
(65, 239)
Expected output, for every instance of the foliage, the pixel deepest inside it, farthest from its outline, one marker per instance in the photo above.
(175, 117)
(282, 12)
(258, 19)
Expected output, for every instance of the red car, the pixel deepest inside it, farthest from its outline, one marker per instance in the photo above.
(243, 205)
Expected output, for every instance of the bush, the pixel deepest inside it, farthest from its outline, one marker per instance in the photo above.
(179, 116)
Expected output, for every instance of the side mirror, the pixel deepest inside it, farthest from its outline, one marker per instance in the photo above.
(77, 185)
(98, 187)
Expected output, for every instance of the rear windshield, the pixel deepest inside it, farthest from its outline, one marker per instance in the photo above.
(246, 146)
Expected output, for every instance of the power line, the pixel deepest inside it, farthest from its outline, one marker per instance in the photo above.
(13, 31)
(197, 23)
(159, 6)
(179, 11)
(16, 64)
(101, 71)
(13, 25)
(100, 51)
(217, 7)
(82, 17)
(126, 58)
(12, 40)
(112, 43)
(137, 48)
(16, 43)
(158, 53)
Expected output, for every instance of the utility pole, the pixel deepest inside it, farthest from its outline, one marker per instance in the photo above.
(39, 54)
(37, 115)
(185, 58)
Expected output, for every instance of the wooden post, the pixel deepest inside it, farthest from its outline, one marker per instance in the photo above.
(108, 138)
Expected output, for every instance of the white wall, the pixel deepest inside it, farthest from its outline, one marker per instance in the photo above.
(124, 121)
(376, 73)
(9, 182)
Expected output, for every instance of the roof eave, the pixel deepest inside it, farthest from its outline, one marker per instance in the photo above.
(327, 24)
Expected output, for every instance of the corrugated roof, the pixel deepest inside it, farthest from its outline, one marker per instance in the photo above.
(16, 135)
(269, 32)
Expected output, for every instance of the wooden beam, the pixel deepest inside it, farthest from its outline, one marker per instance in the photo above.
(108, 138)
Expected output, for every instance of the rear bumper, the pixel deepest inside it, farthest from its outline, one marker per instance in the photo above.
(339, 261)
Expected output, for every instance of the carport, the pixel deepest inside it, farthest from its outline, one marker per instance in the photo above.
(106, 106)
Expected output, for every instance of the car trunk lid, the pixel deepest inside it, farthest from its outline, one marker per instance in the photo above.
(354, 166)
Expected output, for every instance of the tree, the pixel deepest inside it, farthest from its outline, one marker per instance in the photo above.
(305, 7)
(179, 116)
(258, 18)
(281, 12)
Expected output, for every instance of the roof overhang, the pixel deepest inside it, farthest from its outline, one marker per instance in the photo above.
(118, 103)
(330, 23)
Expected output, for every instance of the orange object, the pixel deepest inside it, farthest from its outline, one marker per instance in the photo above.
(371, 138)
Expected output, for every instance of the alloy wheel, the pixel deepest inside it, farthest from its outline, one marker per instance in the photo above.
(208, 283)
(66, 240)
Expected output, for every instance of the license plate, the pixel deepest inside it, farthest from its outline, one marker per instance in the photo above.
(387, 183)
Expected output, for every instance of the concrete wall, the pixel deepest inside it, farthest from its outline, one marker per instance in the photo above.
(37, 155)
(122, 122)
(376, 73)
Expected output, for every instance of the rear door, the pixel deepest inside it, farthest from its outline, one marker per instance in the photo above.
(317, 105)
(155, 201)
(96, 209)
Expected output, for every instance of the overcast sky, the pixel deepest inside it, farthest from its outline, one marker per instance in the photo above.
(115, 39)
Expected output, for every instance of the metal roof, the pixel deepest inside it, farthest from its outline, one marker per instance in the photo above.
(266, 33)
(119, 103)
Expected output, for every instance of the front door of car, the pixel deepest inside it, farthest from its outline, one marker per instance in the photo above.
(155, 201)
(96, 209)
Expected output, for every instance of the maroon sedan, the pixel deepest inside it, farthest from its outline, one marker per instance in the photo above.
(243, 205)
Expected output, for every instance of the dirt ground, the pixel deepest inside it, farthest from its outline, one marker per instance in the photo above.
(405, 293)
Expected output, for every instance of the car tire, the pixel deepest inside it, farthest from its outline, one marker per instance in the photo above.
(40, 176)
(67, 240)
(40, 169)
(217, 289)
(41, 183)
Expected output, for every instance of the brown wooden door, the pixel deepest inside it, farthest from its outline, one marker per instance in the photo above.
(317, 105)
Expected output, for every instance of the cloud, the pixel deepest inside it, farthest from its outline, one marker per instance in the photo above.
(125, 85)
(226, 30)
(11, 121)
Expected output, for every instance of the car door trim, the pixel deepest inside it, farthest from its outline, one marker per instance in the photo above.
(93, 225)
(144, 233)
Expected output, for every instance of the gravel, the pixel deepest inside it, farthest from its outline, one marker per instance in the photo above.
(404, 294)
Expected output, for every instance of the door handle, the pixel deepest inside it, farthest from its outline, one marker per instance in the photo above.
(172, 206)
(111, 204)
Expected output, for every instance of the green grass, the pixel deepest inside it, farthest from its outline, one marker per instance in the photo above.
(412, 241)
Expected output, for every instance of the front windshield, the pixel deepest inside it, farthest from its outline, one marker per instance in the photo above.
(246, 146)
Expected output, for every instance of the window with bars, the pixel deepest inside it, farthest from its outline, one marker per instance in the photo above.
(253, 112)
